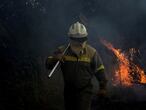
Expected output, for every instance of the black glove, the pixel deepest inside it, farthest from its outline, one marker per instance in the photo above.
(102, 93)
(102, 96)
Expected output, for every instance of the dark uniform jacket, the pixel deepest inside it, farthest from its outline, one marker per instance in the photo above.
(78, 70)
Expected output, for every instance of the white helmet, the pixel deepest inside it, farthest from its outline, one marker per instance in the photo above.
(77, 30)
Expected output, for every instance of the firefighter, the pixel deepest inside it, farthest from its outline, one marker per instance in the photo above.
(80, 62)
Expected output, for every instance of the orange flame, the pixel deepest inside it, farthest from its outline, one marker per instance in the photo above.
(127, 71)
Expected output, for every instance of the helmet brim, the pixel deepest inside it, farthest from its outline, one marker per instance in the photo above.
(79, 39)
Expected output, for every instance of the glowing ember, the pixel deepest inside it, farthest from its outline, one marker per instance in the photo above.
(127, 72)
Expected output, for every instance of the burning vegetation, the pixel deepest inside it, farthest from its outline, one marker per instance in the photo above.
(127, 73)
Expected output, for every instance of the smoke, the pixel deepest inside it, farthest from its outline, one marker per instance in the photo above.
(142, 6)
(37, 27)
(122, 23)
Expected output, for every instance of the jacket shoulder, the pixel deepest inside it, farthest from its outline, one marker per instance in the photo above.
(60, 48)
(91, 50)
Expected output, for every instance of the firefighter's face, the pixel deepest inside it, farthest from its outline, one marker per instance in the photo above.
(78, 44)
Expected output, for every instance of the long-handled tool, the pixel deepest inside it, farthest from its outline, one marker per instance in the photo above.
(58, 62)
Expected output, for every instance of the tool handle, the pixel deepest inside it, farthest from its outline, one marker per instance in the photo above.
(58, 62)
(56, 65)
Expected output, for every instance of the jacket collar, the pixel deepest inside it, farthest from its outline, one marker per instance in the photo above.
(83, 52)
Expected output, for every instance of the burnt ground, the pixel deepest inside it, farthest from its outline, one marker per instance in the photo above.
(24, 91)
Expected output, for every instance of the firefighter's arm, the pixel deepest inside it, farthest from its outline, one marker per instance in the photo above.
(52, 59)
(99, 71)
(50, 62)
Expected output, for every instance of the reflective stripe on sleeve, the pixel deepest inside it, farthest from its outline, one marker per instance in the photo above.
(50, 57)
(101, 67)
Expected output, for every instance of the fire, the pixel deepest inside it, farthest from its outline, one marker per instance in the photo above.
(127, 72)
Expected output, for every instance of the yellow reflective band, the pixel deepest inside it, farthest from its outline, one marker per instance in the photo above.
(50, 57)
(84, 59)
(70, 58)
(81, 59)
(61, 46)
(101, 67)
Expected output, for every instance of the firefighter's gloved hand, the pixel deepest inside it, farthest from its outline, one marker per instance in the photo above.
(102, 96)
(102, 93)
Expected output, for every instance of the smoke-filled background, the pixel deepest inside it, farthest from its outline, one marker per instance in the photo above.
(31, 29)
